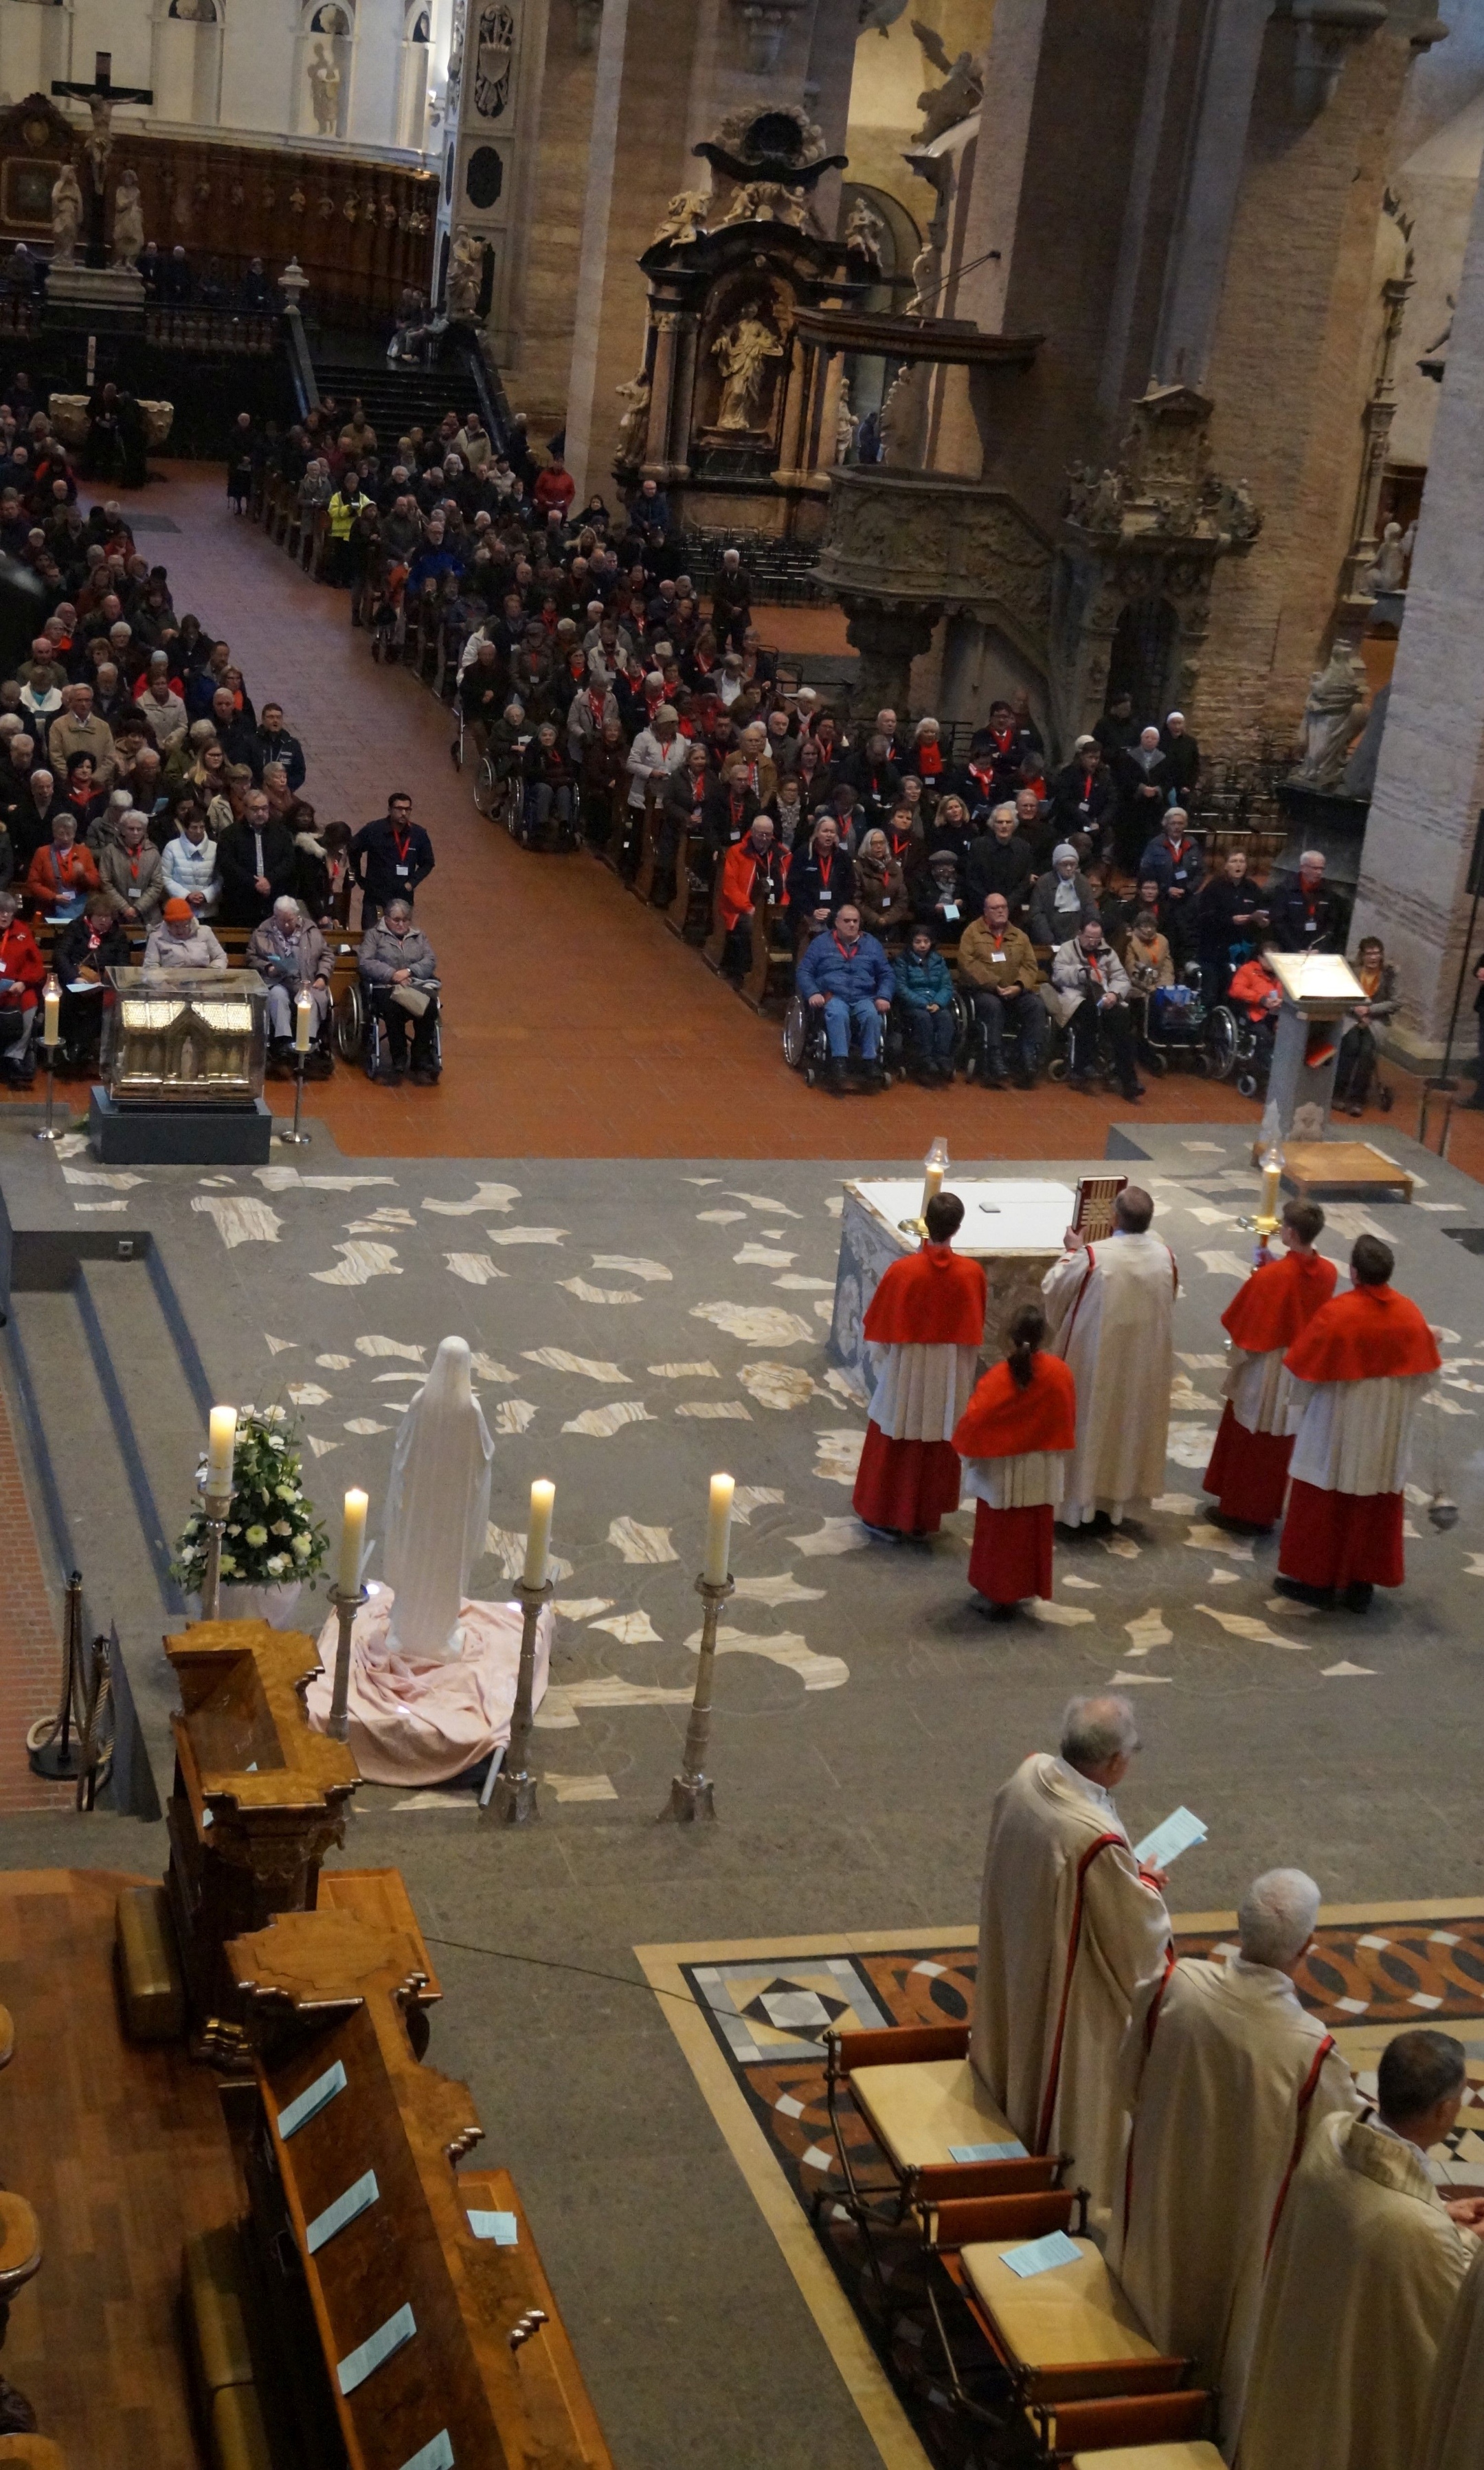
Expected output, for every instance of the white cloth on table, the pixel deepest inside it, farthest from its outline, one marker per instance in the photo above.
(922, 1391)
(1357, 1435)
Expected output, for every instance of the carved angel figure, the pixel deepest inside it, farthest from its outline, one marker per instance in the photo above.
(944, 106)
(466, 265)
(683, 220)
(864, 233)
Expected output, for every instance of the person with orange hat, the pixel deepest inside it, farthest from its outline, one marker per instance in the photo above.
(182, 940)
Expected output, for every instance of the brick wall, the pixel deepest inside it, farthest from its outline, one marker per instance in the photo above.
(30, 1647)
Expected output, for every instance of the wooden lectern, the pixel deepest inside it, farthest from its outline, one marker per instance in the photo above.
(257, 1801)
(1319, 990)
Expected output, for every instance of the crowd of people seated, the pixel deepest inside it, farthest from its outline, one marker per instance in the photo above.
(148, 807)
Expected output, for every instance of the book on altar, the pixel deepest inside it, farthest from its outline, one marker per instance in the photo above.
(1180, 1831)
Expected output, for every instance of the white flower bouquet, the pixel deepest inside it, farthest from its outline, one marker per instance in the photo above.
(272, 1535)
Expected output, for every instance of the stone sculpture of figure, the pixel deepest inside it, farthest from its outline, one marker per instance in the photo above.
(865, 232)
(634, 428)
(683, 220)
(128, 233)
(926, 275)
(846, 424)
(324, 85)
(437, 1508)
(944, 106)
(742, 354)
(466, 265)
(1333, 716)
(66, 216)
(1389, 571)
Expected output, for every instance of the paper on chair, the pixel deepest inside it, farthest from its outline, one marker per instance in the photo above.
(1042, 2254)
(1180, 1831)
(356, 2200)
(1009, 2150)
(438, 2455)
(379, 2347)
(502, 2227)
(311, 2101)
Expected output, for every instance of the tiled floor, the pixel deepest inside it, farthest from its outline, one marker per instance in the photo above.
(577, 1025)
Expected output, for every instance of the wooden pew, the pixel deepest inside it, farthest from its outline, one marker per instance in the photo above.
(689, 907)
(475, 2346)
(769, 976)
(643, 884)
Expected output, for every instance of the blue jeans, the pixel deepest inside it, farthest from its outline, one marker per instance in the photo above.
(838, 1016)
(1021, 1019)
(934, 1033)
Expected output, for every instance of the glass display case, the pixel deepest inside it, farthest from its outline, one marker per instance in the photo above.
(186, 1037)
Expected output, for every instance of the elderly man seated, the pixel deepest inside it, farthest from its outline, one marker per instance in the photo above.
(848, 977)
(399, 972)
(292, 958)
(182, 940)
(1093, 987)
(131, 873)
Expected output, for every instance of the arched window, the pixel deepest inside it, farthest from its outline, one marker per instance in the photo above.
(185, 67)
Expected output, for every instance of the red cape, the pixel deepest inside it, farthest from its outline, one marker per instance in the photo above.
(1004, 1421)
(1278, 1301)
(932, 1298)
(1370, 1333)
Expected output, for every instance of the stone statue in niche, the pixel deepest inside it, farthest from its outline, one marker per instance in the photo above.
(493, 48)
(845, 425)
(683, 220)
(66, 216)
(128, 232)
(926, 275)
(742, 353)
(1388, 573)
(324, 85)
(634, 428)
(865, 233)
(944, 106)
(466, 267)
(1333, 716)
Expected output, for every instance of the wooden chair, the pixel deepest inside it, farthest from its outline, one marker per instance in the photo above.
(690, 904)
(770, 972)
(916, 2091)
(713, 949)
(1157, 2450)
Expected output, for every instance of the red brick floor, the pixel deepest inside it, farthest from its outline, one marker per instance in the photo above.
(577, 1024)
(30, 1653)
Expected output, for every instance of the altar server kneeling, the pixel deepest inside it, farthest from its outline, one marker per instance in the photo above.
(1359, 1370)
(1015, 1437)
(1249, 1465)
(926, 1322)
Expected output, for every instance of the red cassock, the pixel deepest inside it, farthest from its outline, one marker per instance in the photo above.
(928, 1313)
(1354, 1424)
(1017, 1440)
(1249, 1465)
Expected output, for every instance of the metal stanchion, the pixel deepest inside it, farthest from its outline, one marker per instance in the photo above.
(54, 1747)
(513, 1801)
(346, 1607)
(296, 1139)
(690, 1791)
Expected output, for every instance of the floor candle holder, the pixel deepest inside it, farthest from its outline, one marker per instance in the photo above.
(49, 1132)
(215, 1510)
(346, 1607)
(295, 1138)
(513, 1801)
(691, 1792)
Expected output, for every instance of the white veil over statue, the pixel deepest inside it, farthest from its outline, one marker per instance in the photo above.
(437, 1509)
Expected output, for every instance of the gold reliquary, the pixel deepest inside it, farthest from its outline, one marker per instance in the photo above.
(190, 1038)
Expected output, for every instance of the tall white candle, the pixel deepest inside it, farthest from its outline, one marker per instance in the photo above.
(353, 1537)
(50, 1025)
(303, 1021)
(538, 1535)
(718, 1530)
(220, 1443)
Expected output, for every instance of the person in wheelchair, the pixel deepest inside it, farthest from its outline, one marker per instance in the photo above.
(847, 976)
(1255, 997)
(1094, 985)
(293, 958)
(480, 691)
(925, 991)
(399, 972)
(997, 964)
(549, 790)
(1358, 1047)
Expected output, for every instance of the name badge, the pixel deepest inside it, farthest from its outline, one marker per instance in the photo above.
(403, 870)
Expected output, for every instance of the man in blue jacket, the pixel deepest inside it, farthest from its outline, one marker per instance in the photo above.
(848, 976)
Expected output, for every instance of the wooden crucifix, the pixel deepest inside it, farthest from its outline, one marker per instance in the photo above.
(93, 171)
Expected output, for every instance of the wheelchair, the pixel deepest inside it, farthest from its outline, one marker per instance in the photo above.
(360, 1032)
(1174, 1025)
(973, 1049)
(1238, 1049)
(516, 812)
(807, 1042)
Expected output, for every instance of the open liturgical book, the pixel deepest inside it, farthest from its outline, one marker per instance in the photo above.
(1179, 1831)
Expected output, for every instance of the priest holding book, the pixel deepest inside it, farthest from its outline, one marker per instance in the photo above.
(926, 1321)
(1249, 1465)
(1110, 1307)
(1359, 1369)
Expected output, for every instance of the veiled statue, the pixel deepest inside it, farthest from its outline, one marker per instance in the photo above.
(66, 216)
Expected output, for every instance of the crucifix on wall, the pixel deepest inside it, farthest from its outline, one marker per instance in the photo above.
(93, 171)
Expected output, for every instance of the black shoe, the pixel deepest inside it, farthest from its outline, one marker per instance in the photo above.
(1080, 1082)
(423, 1077)
(1131, 1092)
(1357, 1599)
(834, 1077)
(1320, 1597)
(388, 1077)
(996, 1080)
(1025, 1080)
(997, 1612)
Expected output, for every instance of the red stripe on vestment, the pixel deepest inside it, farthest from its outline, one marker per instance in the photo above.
(1305, 2096)
(1053, 2074)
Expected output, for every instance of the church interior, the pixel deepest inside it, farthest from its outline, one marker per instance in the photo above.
(707, 718)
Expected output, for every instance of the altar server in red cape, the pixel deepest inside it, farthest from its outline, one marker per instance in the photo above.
(1360, 1371)
(1249, 1465)
(927, 1318)
(1019, 1427)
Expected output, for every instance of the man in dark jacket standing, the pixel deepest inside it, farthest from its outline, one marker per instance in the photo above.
(256, 857)
(391, 857)
(273, 743)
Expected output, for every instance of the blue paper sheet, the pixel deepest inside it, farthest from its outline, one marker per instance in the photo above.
(356, 2199)
(378, 2348)
(311, 2101)
(502, 2227)
(436, 2454)
(1010, 2149)
(1042, 2254)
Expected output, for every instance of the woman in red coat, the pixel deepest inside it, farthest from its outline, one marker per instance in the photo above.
(1016, 1435)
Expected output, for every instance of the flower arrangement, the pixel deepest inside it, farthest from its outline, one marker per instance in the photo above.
(272, 1535)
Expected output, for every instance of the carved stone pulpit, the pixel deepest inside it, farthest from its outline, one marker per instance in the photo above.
(257, 1801)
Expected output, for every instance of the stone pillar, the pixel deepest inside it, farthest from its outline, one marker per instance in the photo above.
(1430, 781)
(1196, 266)
(791, 437)
(889, 635)
(499, 109)
(829, 413)
(837, 24)
(658, 448)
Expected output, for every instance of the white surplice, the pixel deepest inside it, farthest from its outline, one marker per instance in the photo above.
(1260, 1391)
(1360, 2288)
(1223, 2090)
(1068, 1934)
(1356, 1435)
(1456, 2418)
(1030, 1481)
(1111, 1311)
(921, 1390)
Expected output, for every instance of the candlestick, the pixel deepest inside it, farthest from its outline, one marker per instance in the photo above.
(935, 1166)
(511, 1793)
(538, 1535)
(692, 1793)
(221, 1448)
(353, 1536)
(49, 1129)
(303, 1021)
(51, 1008)
(718, 1530)
(347, 1604)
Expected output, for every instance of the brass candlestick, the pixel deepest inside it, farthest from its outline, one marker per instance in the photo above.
(346, 1607)
(513, 1800)
(691, 1792)
(216, 1508)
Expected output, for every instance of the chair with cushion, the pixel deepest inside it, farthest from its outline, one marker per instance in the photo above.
(918, 2093)
(1153, 2457)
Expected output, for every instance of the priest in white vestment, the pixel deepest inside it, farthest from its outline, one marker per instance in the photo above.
(1362, 2280)
(1224, 2078)
(1110, 1307)
(1455, 2418)
(1071, 1930)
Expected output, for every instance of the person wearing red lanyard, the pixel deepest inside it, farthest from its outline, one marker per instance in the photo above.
(132, 872)
(391, 857)
(1093, 986)
(62, 874)
(754, 873)
(847, 976)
